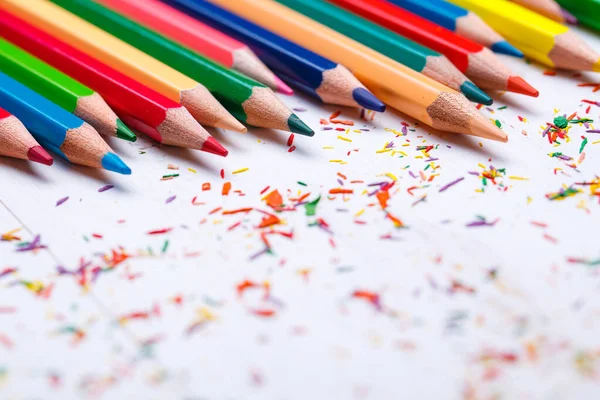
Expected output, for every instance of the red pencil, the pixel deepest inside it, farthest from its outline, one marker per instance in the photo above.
(472, 59)
(17, 142)
(200, 37)
(140, 107)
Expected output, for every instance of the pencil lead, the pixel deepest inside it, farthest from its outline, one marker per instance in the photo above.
(231, 124)
(39, 155)
(367, 100)
(298, 126)
(473, 93)
(516, 84)
(481, 127)
(213, 146)
(596, 66)
(507, 49)
(112, 162)
(123, 132)
(282, 87)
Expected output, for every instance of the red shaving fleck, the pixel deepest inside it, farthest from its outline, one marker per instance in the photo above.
(269, 221)
(222, 173)
(244, 285)
(383, 196)
(239, 210)
(550, 72)
(160, 231)
(274, 199)
(267, 313)
(97, 235)
(226, 188)
(232, 227)
(214, 210)
(323, 122)
(291, 149)
(264, 190)
(341, 191)
(290, 140)
(334, 115)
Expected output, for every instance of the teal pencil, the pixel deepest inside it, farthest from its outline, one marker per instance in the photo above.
(58, 130)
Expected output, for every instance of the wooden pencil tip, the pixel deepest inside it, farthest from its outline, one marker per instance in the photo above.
(483, 128)
(516, 84)
(39, 155)
(211, 145)
(596, 66)
(231, 124)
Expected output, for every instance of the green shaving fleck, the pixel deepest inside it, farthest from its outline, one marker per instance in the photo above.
(311, 208)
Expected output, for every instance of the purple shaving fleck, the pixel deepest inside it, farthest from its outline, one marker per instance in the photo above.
(61, 201)
(454, 182)
(105, 188)
(170, 199)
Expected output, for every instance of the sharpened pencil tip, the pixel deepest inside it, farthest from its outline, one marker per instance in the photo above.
(123, 132)
(282, 87)
(231, 124)
(367, 100)
(298, 126)
(213, 146)
(473, 93)
(507, 49)
(39, 155)
(516, 84)
(112, 162)
(596, 66)
(481, 127)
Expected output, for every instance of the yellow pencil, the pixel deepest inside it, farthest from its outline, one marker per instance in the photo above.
(402, 88)
(87, 38)
(538, 37)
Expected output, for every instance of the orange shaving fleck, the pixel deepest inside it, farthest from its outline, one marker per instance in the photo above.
(226, 188)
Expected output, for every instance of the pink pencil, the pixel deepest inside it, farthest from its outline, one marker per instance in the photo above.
(199, 37)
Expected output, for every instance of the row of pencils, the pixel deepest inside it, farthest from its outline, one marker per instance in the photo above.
(72, 70)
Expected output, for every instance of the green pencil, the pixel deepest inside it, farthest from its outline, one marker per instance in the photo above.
(247, 100)
(398, 48)
(586, 11)
(62, 90)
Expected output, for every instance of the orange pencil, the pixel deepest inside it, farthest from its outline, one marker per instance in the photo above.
(404, 89)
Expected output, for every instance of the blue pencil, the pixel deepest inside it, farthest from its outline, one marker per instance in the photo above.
(57, 129)
(459, 20)
(317, 76)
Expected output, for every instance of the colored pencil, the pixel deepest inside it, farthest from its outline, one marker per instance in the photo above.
(57, 129)
(477, 62)
(17, 142)
(148, 111)
(405, 51)
(94, 41)
(248, 100)
(464, 22)
(63, 90)
(399, 86)
(540, 38)
(584, 11)
(199, 37)
(548, 8)
(314, 74)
